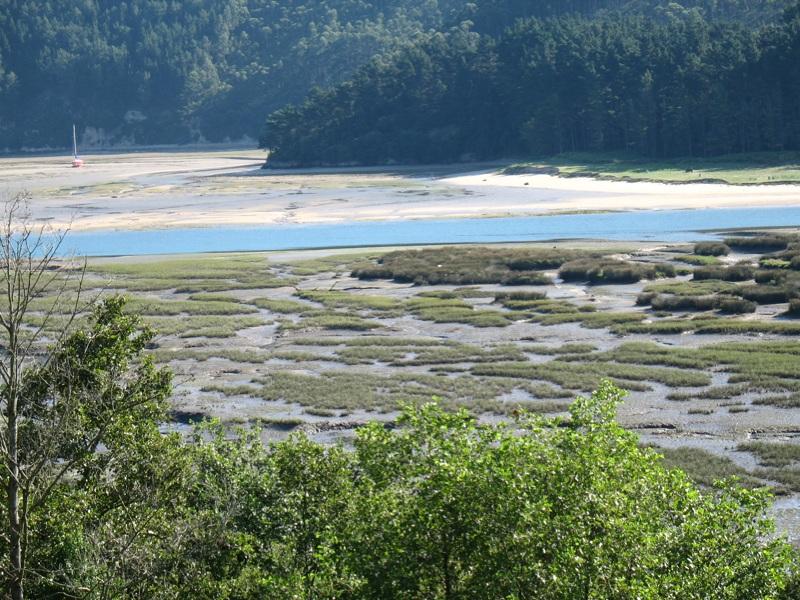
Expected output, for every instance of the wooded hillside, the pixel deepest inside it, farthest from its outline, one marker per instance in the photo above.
(682, 86)
(157, 71)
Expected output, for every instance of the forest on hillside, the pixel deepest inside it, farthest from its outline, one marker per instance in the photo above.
(682, 86)
(158, 71)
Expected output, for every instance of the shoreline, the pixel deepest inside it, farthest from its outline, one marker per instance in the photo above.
(202, 189)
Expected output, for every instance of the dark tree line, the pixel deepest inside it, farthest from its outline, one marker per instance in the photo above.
(679, 86)
(156, 71)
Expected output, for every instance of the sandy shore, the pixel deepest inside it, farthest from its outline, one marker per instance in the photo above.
(203, 189)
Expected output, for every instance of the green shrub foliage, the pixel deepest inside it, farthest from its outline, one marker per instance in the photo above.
(441, 507)
(711, 249)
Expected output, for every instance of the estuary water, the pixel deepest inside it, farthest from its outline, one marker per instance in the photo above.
(663, 226)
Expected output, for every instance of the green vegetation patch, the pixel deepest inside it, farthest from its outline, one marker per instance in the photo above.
(195, 274)
(771, 454)
(709, 326)
(157, 307)
(705, 468)
(586, 375)
(463, 265)
(760, 242)
(331, 321)
(608, 270)
(691, 288)
(203, 326)
(699, 260)
(347, 300)
(711, 249)
(368, 391)
(743, 272)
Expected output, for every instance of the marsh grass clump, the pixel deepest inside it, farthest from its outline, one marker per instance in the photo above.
(645, 298)
(461, 292)
(331, 321)
(794, 307)
(691, 288)
(367, 391)
(672, 303)
(464, 265)
(608, 270)
(790, 401)
(771, 454)
(700, 261)
(774, 263)
(585, 375)
(759, 243)
(705, 468)
(286, 307)
(507, 298)
(197, 274)
(723, 303)
(735, 306)
(590, 319)
(766, 294)
(709, 325)
(439, 354)
(565, 349)
(732, 273)
(771, 276)
(216, 326)
(711, 249)
(157, 307)
(454, 310)
(722, 392)
(163, 355)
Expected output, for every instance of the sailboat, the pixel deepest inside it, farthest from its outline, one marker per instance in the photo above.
(76, 162)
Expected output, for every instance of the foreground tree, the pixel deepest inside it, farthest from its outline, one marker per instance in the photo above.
(65, 393)
(444, 507)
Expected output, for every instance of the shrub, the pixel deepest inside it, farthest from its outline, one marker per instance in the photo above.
(645, 298)
(525, 278)
(758, 243)
(774, 263)
(684, 302)
(794, 307)
(731, 305)
(711, 249)
(733, 273)
(444, 507)
(604, 270)
(700, 261)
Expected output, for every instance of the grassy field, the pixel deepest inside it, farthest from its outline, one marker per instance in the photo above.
(740, 169)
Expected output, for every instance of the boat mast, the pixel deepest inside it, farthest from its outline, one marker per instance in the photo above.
(74, 142)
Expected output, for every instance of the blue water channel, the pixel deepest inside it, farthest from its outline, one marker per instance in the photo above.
(666, 226)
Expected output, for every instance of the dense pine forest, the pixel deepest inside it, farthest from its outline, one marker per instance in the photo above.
(680, 86)
(156, 71)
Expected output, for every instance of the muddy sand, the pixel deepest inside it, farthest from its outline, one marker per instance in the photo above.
(228, 188)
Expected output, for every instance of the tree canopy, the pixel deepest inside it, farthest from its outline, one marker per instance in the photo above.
(156, 71)
(684, 86)
(441, 507)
